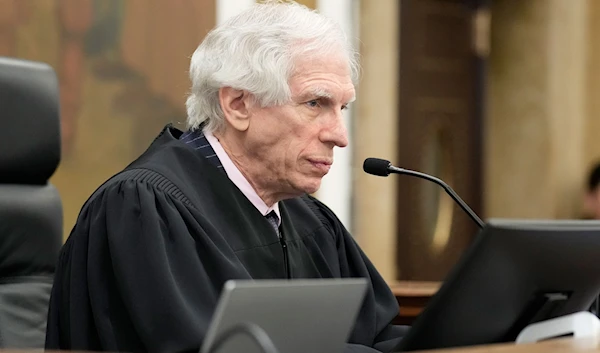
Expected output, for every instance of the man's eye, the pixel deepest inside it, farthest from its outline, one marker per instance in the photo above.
(313, 103)
(345, 106)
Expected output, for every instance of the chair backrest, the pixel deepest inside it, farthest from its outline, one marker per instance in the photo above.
(30, 208)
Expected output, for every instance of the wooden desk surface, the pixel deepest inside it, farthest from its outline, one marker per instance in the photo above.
(415, 288)
(562, 345)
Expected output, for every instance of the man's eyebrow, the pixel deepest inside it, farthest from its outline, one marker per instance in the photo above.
(320, 92)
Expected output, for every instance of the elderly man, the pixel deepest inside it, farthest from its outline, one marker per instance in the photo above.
(227, 199)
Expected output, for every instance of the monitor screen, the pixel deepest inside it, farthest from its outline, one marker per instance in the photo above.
(515, 273)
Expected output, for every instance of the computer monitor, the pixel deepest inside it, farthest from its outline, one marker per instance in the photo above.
(303, 315)
(515, 273)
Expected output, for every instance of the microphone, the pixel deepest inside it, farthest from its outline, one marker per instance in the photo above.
(381, 167)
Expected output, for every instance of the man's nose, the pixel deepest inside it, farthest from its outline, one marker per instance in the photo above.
(336, 132)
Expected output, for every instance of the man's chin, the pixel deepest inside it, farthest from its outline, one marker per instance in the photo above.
(312, 188)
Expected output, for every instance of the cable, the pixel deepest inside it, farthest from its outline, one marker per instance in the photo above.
(254, 331)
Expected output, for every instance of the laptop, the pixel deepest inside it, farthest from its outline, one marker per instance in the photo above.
(299, 316)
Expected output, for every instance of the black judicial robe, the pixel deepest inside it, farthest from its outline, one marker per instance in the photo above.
(145, 263)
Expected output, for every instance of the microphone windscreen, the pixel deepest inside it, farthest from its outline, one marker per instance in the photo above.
(377, 166)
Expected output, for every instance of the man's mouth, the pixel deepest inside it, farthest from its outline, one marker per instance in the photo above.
(323, 165)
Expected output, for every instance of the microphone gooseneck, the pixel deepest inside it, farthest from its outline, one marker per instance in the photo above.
(381, 167)
(255, 332)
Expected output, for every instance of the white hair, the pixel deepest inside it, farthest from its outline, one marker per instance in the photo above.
(255, 52)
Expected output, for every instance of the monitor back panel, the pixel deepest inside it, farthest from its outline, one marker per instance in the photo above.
(299, 316)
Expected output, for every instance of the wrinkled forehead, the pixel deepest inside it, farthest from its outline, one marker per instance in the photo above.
(320, 77)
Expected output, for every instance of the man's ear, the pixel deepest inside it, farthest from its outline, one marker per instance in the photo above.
(236, 107)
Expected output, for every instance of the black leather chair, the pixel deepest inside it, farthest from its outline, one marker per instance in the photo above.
(30, 208)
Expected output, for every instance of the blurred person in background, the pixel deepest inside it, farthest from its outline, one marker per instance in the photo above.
(592, 195)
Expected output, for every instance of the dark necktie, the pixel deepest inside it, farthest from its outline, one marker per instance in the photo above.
(274, 220)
